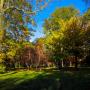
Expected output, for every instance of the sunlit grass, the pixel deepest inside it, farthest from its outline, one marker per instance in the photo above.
(45, 80)
(16, 77)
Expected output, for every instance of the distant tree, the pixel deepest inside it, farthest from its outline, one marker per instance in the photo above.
(41, 58)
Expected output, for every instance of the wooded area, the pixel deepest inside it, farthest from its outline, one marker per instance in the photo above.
(64, 46)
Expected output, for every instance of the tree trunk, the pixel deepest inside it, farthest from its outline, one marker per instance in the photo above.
(59, 64)
(76, 63)
(62, 63)
(70, 64)
(2, 29)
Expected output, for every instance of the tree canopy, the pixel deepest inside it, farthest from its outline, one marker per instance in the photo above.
(65, 33)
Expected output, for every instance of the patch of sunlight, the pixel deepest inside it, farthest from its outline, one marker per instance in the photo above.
(14, 74)
(20, 81)
(25, 76)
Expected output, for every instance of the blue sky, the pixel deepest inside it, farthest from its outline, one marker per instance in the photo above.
(45, 13)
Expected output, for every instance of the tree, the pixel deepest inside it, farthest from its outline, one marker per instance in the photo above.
(86, 27)
(41, 57)
(73, 37)
(64, 13)
(15, 17)
(12, 25)
(54, 30)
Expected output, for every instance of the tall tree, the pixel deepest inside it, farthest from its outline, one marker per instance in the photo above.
(73, 38)
(54, 29)
(15, 17)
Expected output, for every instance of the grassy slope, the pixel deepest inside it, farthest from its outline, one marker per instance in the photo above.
(45, 80)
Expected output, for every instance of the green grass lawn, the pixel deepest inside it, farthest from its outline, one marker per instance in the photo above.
(45, 80)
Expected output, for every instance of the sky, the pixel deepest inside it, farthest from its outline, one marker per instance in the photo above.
(46, 12)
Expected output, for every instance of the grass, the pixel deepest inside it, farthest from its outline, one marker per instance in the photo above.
(45, 80)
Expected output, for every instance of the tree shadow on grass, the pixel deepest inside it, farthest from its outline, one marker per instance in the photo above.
(45, 81)
(41, 82)
(75, 81)
(50, 81)
(7, 73)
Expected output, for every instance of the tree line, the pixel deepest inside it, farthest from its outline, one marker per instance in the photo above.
(66, 42)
